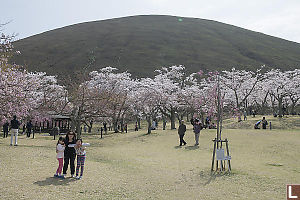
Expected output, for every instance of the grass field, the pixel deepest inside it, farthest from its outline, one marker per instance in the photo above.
(139, 166)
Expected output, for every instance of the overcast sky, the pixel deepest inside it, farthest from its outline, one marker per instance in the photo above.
(278, 18)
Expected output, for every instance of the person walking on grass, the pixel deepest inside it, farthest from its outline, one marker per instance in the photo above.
(14, 125)
(80, 152)
(29, 127)
(60, 148)
(181, 133)
(197, 128)
(5, 129)
(69, 153)
(126, 127)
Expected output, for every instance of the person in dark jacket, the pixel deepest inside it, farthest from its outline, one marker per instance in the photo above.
(197, 128)
(14, 125)
(181, 132)
(29, 127)
(5, 129)
(105, 127)
(69, 153)
(264, 123)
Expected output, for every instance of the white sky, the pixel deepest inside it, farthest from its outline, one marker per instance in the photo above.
(280, 18)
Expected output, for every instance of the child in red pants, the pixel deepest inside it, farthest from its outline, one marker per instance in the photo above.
(60, 148)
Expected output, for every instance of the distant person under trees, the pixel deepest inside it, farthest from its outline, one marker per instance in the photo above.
(105, 127)
(24, 129)
(253, 113)
(5, 129)
(29, 128)
(212, 126)
(264, 123)
(207, 122)
(245, 115)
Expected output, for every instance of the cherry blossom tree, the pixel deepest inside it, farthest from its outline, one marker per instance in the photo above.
(240, 85)
(27, 95)
(278, 83)
(115, 90)
(294, 89)
(145, 98)
(170, 82)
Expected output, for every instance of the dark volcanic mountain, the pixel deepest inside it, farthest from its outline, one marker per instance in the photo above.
(141, 44)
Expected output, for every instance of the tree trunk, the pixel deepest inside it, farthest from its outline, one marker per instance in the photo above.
(172, 118)
(90, 127)
(264, 105)
(139, 122)
(115, 125)
(78, 129)
(122, 125)
(280, 107)
(202, 117)
(149, 124)
(164, 122)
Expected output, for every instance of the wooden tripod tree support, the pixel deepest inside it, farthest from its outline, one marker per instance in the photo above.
(218, 152)
(218, 155)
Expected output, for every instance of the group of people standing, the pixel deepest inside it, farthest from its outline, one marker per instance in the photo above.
(67, 149)
(14, 127)
(197, 127)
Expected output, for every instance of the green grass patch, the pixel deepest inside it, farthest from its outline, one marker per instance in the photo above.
(139, 166)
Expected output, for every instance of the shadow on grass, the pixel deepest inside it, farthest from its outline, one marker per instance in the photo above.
(147, 135)
(35, 146)
(213, 176)
(54, 181)
(192, 147)
(177, 147)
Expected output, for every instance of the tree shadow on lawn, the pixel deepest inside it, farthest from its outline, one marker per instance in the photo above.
(213, 175)
(55, 181)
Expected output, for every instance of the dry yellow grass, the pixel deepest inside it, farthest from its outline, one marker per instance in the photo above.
(138, 166)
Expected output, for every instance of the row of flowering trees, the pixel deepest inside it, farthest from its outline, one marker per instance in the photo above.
(109, 95)
(173, 93)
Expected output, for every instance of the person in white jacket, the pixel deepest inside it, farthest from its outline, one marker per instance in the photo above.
(60, 148)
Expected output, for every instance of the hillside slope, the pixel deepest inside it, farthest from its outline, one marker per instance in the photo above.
(141, 44)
